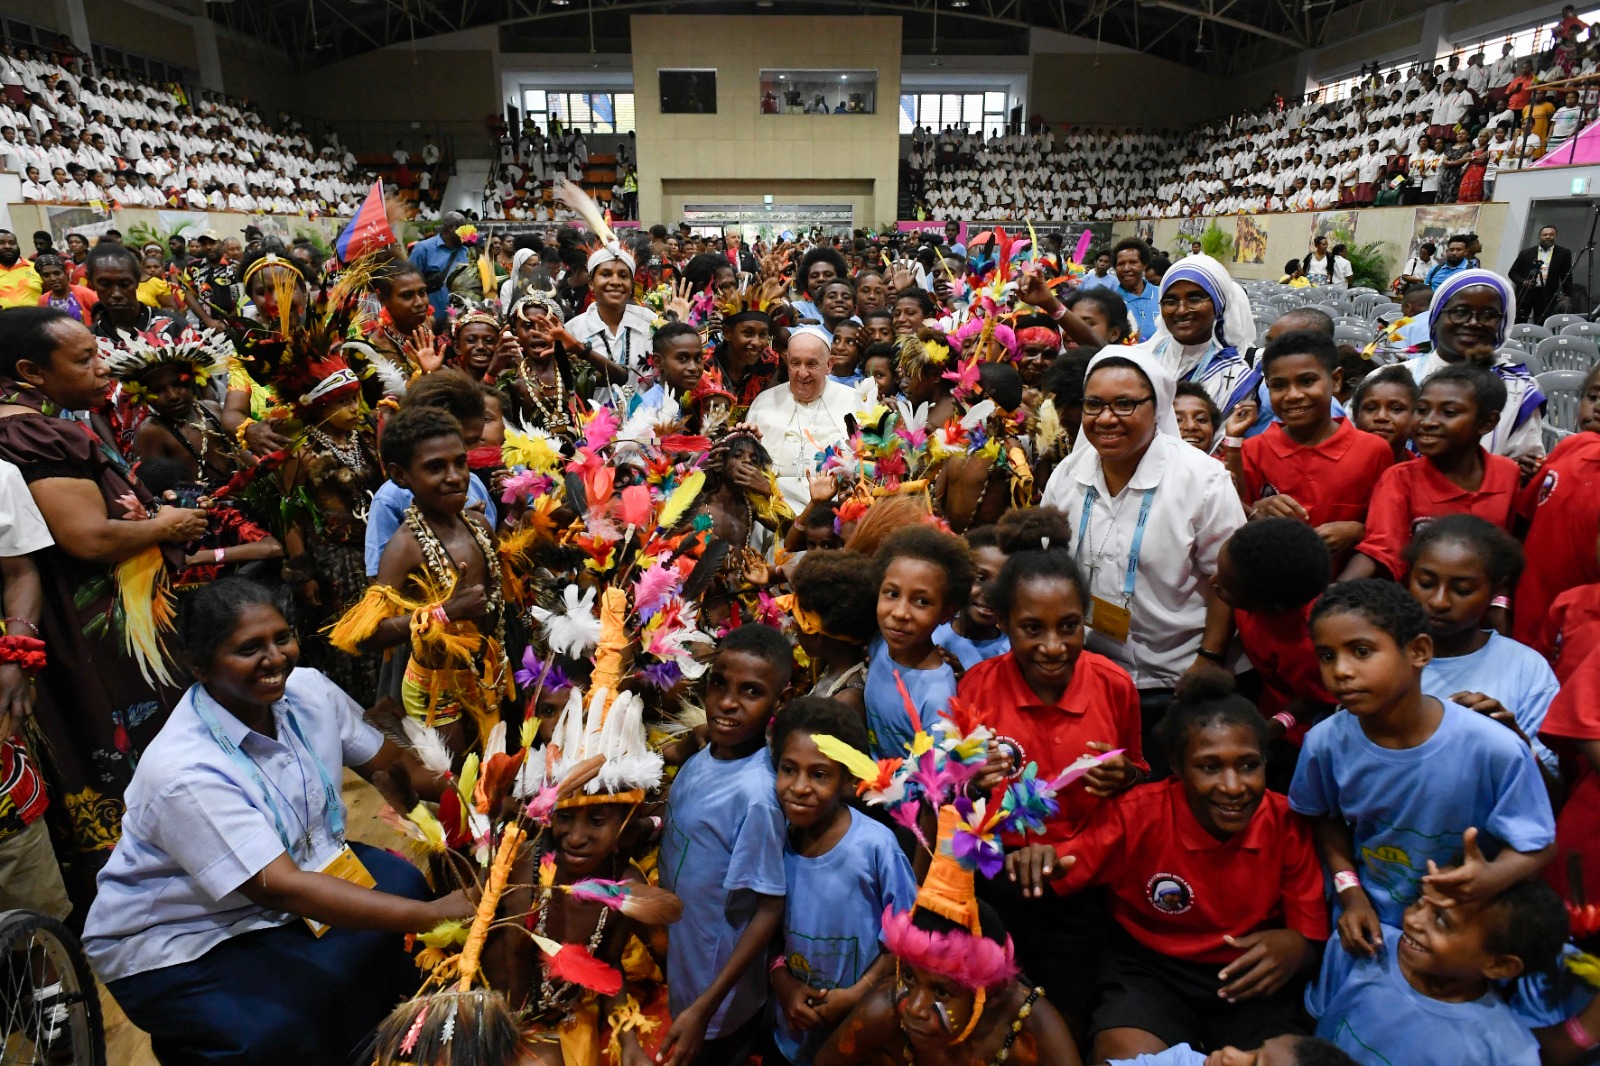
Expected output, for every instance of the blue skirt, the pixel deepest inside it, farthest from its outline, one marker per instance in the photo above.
(280, 996)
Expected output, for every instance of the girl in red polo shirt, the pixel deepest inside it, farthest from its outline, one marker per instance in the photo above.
(1456, 406)
(1385, 405)
(1048, 701)
(1215, 886)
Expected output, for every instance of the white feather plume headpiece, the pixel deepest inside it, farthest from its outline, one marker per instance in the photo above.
(610, 249)
(615, 731)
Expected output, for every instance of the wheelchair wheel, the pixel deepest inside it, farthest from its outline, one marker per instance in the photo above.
(49, 1004)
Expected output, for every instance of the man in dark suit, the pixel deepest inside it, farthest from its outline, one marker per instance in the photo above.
(737, 254)
(1541, 276)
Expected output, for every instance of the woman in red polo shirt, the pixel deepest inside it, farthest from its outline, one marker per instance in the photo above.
(1215, 887)
(1048, 702)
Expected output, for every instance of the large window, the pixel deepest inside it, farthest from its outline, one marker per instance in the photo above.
(983, 111)
(1343, 88)
(591, 112)
(1536, 37)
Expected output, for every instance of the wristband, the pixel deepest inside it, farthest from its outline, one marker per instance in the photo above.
(1502, 602)
(10, 618)
(1285, 719)
(1212, 656)
(221, 553)
(441, 615)
(1578, 1034)
(779, 962)
(1345, 879)
(1059, 313)
(238, 434)
(1233, 442)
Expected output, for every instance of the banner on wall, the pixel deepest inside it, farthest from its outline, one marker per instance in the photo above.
(184, 222)
(1438, 222)
(1070, 231)
(1191, 228)
(1250, 240)
(1145, 230)
(85, 220)
(768, 220)
(1328, 223)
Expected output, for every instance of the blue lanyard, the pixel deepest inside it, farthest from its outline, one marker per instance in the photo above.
(333, 806)
(1131, 575)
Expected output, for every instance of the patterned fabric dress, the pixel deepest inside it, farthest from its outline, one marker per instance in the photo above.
(341, 491)
(96, 711)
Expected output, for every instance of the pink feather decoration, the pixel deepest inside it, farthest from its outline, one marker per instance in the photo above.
(973, 962)
(642, 902)
(908, 815)
(543, 805)
(601, 428)
(637, 509)
(1078, 769)
(654, 587)
(1085, 239)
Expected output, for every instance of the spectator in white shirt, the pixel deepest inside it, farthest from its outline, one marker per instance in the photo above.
(33, 191)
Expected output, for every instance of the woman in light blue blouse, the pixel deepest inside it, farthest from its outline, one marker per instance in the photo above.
(233, 922)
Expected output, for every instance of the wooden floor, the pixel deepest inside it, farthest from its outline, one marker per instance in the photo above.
(128, 1046)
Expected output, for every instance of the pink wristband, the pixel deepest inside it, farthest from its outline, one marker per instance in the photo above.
(1502, 602)
(1285, 719)
(439, 613)
(1345, 879)
(220, 553)
(778, 962)
(1578, 1034)
(1059, 313)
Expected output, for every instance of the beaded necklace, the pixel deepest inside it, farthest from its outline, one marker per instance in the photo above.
(563, 997)
(1011, 1035)
(436, 557)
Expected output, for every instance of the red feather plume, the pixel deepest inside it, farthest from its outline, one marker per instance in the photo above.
(574, 964)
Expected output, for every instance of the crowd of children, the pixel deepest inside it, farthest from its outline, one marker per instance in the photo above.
(1169, 702)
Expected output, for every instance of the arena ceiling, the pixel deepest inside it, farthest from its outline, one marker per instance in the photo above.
(1214, 35)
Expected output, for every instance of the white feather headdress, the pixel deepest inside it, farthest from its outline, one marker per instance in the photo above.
(615, 732)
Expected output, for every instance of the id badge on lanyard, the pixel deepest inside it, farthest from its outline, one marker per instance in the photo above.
(1113, 620)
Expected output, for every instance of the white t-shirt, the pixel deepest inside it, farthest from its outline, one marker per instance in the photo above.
(22, 526)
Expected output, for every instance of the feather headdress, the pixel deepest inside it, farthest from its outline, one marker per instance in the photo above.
(614, 730)
(926, 350)
(609, 249)
(199, 355)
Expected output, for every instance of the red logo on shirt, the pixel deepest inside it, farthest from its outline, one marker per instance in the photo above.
(1547, 487)
(1169, 893)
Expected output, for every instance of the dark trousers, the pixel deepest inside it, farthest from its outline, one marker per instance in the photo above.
(280, 996)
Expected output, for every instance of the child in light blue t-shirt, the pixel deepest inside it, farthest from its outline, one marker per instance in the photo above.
(924, 578)
(975, 634)
(1286, 1050)
(722, 854)
(843, 870)
(1404, 781)
(1455, 568)
(1429, 997)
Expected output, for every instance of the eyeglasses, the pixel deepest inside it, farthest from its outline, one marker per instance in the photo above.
(1192, 302)
(1122, 406)
(1461, 314)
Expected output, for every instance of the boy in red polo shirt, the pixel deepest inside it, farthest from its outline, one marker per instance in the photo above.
(1562, 506)
(1215, 886)
(1454, 475)
(1308, 465)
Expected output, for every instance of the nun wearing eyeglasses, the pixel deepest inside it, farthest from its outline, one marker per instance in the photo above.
(1467, 322)
(1150, 515)
(1205, 330)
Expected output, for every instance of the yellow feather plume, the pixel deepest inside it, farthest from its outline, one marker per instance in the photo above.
(534, 451)
(360, 622)
(840, 752)
(444, 935)
(679, 501)
(145, 596)
(421, 817)
(468, 780)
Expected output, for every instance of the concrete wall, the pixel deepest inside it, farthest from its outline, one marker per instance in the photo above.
(142, 30)
(714, 158)
(1289, 235)
(376, 98)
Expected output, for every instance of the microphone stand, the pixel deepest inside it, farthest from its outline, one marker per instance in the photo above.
(1586, 253)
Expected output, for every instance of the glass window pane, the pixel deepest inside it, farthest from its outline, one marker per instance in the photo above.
(625, 113)
(972, 109)
(994, 102)
(908, 114)
(949, 108)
